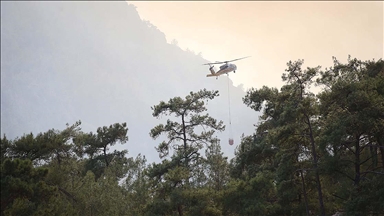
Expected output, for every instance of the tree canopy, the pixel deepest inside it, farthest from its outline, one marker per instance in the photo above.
(312, 153)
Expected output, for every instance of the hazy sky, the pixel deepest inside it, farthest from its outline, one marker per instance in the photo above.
(271, 32)
(47, 82)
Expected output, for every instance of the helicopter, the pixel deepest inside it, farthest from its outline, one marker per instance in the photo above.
(224, 69)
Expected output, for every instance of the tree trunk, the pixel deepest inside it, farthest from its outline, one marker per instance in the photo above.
(373, 151)
(357, 161)
(105, 156)
(58, 159)
(180, 210)
(380, 141)
(185, 141)
(314, 155)
(305, 193)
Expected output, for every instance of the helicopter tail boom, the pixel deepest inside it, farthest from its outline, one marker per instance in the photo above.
(212, 70)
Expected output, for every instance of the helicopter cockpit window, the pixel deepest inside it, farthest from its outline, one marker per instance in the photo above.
(223, 66)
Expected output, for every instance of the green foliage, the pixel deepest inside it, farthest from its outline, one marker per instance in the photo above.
(255, 196)
(288, 130)
(330, 142)
(5, 145)
(51, 145)
(217, 168)
(136, 186)
(177, 178)
(100, 197)
(189, 111)
(310, 155)
(23, 189)
(96, 146)
(352, 108)
(61, 185)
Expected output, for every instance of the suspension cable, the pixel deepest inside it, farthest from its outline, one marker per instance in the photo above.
(229, 112)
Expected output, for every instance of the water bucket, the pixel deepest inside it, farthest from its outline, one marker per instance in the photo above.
(230, 141)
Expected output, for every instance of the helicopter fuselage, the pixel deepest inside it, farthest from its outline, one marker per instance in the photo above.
(224, 69)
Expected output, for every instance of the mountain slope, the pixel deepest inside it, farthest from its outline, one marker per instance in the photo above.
(98, 62)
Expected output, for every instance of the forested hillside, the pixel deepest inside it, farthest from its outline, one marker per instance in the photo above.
(311, 154)
(99, 62)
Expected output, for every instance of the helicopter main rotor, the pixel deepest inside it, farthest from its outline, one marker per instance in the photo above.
(225, 62)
